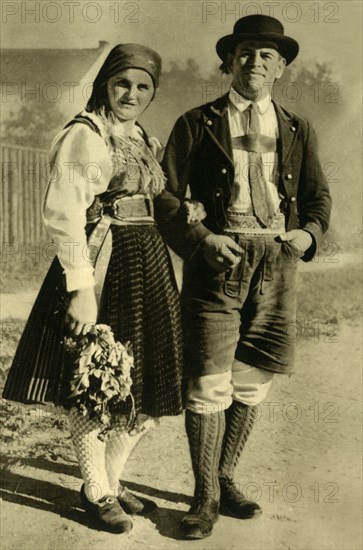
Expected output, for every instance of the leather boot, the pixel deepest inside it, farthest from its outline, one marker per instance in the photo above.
(239, 422)
(205, 436)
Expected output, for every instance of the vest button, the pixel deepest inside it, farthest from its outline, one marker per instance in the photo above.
(289, 176)
(293, 128)
(218, 194)
(293, 199)
(224, 170)
(209, 123)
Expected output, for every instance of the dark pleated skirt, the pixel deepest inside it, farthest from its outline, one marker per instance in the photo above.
(140, 302)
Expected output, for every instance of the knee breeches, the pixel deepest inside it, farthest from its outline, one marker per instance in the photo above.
(239, 326)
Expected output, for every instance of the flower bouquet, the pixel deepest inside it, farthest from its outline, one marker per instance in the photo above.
(101, 375)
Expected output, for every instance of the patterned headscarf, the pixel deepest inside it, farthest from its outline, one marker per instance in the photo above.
(121, 57)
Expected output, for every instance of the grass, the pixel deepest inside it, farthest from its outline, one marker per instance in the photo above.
(22, 276)
(331, 296)
(23, 427)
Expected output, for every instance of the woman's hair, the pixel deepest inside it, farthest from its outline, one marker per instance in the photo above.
(99, 98)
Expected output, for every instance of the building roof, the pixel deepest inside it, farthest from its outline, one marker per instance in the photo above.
(32, 66)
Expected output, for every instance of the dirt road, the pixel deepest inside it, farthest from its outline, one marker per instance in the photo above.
(302, 463)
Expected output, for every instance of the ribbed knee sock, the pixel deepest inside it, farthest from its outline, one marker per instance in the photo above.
(239, 421)
(205, 434)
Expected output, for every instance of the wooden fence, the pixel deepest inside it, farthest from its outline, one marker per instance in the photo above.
(24, 177)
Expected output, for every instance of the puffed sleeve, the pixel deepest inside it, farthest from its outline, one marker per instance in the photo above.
(80, 169)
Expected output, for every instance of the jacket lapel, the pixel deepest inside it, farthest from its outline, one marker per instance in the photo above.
(217, 125)
(288, 128)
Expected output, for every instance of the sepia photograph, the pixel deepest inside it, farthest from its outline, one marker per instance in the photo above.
(181, 275)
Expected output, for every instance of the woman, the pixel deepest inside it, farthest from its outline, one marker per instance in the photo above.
(99, 205)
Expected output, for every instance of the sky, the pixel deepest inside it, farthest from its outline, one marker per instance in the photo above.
(328, 30)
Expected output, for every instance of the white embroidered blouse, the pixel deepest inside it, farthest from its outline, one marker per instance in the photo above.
(82, 165)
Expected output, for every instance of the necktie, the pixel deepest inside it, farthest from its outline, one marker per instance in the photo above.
(262, 204)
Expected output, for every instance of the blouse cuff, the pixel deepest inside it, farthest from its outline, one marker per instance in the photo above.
(78, 278)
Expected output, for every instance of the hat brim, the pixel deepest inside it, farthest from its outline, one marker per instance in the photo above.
(288, 47)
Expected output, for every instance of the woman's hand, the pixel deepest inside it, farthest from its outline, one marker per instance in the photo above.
(192, 212)
(82, 311)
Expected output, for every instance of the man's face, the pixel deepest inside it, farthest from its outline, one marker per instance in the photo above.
(255, 68)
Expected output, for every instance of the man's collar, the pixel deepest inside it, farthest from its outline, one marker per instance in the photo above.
(242, 103)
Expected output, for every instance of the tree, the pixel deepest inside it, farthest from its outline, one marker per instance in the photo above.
(34, 124)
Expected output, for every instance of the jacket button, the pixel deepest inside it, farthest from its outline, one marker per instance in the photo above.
(209, 123)
(289, 176)
(218, 194)
(293, 128)
(224, 170)
(293, 199)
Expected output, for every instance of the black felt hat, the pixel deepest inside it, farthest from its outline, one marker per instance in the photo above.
(261, 28)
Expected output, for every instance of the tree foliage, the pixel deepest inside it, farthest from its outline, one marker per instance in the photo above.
(33, 124)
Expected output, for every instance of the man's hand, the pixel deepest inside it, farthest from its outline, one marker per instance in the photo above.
(221, 252)
(298, 238)
(82, 311)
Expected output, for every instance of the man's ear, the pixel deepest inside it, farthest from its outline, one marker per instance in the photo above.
(229, 61)
(281, 67)
(227, 65)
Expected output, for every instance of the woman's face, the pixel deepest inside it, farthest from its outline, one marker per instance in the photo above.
(129, 93)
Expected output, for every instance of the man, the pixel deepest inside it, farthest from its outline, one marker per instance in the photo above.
(253, 166)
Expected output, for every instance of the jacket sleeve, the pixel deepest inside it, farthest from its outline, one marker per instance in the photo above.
(315, 200)
(177, 164)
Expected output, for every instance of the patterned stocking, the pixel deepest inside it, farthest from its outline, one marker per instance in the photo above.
(91, 455)
(119, 446)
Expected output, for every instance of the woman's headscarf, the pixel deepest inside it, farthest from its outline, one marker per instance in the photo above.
(121, 57)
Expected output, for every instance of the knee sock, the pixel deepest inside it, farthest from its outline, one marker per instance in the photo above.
(239, 422)
(91, 455)
(119, 446)
(205, 435)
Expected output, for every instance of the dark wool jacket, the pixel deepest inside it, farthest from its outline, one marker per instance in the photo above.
(199, 155)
